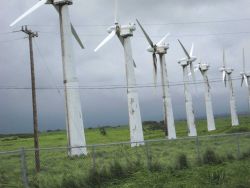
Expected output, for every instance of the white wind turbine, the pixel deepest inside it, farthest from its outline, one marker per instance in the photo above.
(245, 77)
(161, 48)
(226, 77)
(124, 33)
(74, 122)
(203, 67)
(185, 62)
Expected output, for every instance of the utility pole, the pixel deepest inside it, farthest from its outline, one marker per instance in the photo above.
(31, 35)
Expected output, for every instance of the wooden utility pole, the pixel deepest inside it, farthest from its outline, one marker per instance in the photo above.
(31, 35)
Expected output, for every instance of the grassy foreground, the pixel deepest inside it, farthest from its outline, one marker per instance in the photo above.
(207, 162)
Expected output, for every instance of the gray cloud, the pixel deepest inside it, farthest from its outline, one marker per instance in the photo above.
(107, 66)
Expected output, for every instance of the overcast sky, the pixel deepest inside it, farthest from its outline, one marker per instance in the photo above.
(212, 25)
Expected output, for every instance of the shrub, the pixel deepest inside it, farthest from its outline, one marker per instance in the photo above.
(238, 130)
(230, 157)
(181, 162)
(156, 166)
(117, 170)
(210, 157)
(245, 155)
(103, 131)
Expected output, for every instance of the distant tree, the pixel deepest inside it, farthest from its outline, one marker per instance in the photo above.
(103, 131)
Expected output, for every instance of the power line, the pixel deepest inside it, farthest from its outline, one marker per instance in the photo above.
(11, 40)
(46, 65)
(159, 24)
(158, 36)
(111, 87)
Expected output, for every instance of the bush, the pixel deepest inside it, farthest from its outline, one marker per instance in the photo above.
(103, 131)
(181, 162)
(238, 130)
(245, 155)
(156, 167)
(230, 157)
(210, 157)
(117, 170)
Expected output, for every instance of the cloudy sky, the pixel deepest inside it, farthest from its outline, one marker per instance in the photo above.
(212, 25)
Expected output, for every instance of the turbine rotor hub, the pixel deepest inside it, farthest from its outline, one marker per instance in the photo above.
(112, 28)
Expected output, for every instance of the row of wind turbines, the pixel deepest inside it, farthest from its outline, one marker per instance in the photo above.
(74, 121)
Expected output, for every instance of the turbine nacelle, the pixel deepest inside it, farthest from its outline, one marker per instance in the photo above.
(226, 70)
(187, 61)
(203, 66)
(59, 2)
(127, 30)
(158, 49)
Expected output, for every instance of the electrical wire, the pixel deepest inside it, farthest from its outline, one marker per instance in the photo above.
(46, 65)
(11, 40)
(112, 87)
(158, 36)
(158, 24)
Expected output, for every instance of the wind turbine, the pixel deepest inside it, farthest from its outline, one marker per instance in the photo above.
(203, 67)
(245, 77)
(226, 77)
(124, 33)
(74, 122)
(185, 62)
(161, 48)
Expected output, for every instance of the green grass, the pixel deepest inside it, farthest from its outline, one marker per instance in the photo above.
(58, 170)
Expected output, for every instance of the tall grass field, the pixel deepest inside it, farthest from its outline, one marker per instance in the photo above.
(219, 160)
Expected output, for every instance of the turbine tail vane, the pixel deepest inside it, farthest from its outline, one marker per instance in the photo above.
(32, 9)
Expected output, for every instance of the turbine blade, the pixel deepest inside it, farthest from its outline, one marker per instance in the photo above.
(224, 77)
(115, 11)
(76, 36)
(242, 80)
(191, 50)
(134, 63)
(224, 59)
(110, 36)
(208, 84)
(36, 6)
(184, 49)
(244, 63)
(162, 40)
(155, 67)
(146, 35)
(192, 71)
(196, 68)
(246, 81)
